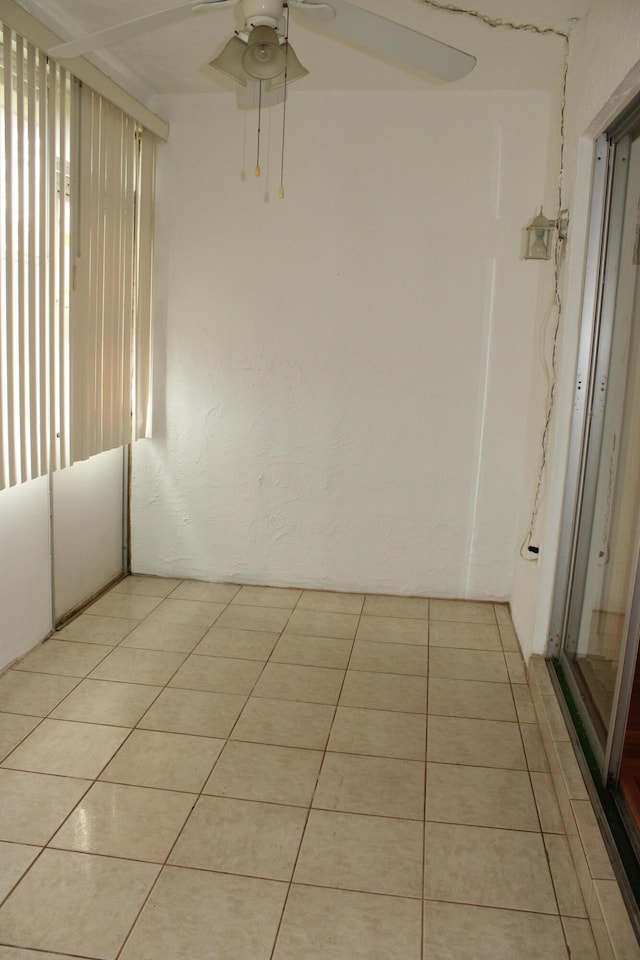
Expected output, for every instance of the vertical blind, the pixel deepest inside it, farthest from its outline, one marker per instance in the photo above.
(33, 261)
(76, 225)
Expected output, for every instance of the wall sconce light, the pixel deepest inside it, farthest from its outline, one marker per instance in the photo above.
(539, 235)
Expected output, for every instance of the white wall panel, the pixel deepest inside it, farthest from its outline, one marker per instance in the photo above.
(25, 597)
(87, 499)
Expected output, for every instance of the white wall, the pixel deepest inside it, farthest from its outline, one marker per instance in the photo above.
(87, 529)
(87, 548)
(342, 381)
(25, 590)
(604, 75)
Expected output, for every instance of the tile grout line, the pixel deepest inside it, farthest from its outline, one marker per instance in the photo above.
(311, 799)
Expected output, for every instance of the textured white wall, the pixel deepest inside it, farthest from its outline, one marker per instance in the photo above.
(604, 75)
(342, 377)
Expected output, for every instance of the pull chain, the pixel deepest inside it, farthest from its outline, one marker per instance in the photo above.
(259, 126)
(284, 121)
(284, 107)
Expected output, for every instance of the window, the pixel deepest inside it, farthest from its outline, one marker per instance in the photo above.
(76, 227)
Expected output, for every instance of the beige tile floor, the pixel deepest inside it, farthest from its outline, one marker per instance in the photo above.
(196, 771)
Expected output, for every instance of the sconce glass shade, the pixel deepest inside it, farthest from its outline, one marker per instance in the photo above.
(295, 70)
(539, 237)
(263, 58)
(229, 61)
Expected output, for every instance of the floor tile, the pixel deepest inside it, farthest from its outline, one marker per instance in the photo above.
(13, 729)
(33, 805)
(620, 937)
(488, 867)
(33, 694)
(379, 733)
(571, 773)
(106, 701)
(15, 860)
(197, 712)
(241, 837)
(503, 615)
(480, 796)
(479, 743)
(453, 664)
(170, 637)
(389, 658)
(546, 802)
(374, 785)
(193, 915)
(524, 704)
(286, 681)
(363, 926)
(591, 839)
(284, 597)
(563, 874)
(516, 668)
(580, 939)
(475, 699)
(169, 761)
(455, 931)
(469, 611)
(312, 623)
(142, 586)
(263, 619)
(64, 658)
(218, 675)
(533, 747)
(102, 898)
(393, 630)
(67, 748)
(509, 638)
(256, 771)
(127, 664)
(209, 592)
(240, 644)
(117, 820)
(404, 607)
(124, 605)
(328, 602)
(312, 651)
(354, 852)
(285, 722)
(384, 691)
(194, 613)
(90, 628)
(470, 636)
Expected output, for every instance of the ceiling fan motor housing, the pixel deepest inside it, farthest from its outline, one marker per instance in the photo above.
(262, 13)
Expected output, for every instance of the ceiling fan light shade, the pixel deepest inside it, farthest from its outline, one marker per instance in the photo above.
(229, 61)
(295, 70)
(263, 58)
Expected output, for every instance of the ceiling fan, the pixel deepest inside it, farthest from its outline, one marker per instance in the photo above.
(262, 52)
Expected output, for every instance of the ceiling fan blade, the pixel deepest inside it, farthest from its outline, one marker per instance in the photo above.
(133, 28)
(389, 39)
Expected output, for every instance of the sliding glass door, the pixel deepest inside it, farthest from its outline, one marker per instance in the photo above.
(597, 610)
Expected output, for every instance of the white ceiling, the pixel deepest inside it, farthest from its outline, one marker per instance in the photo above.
(174, 59)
